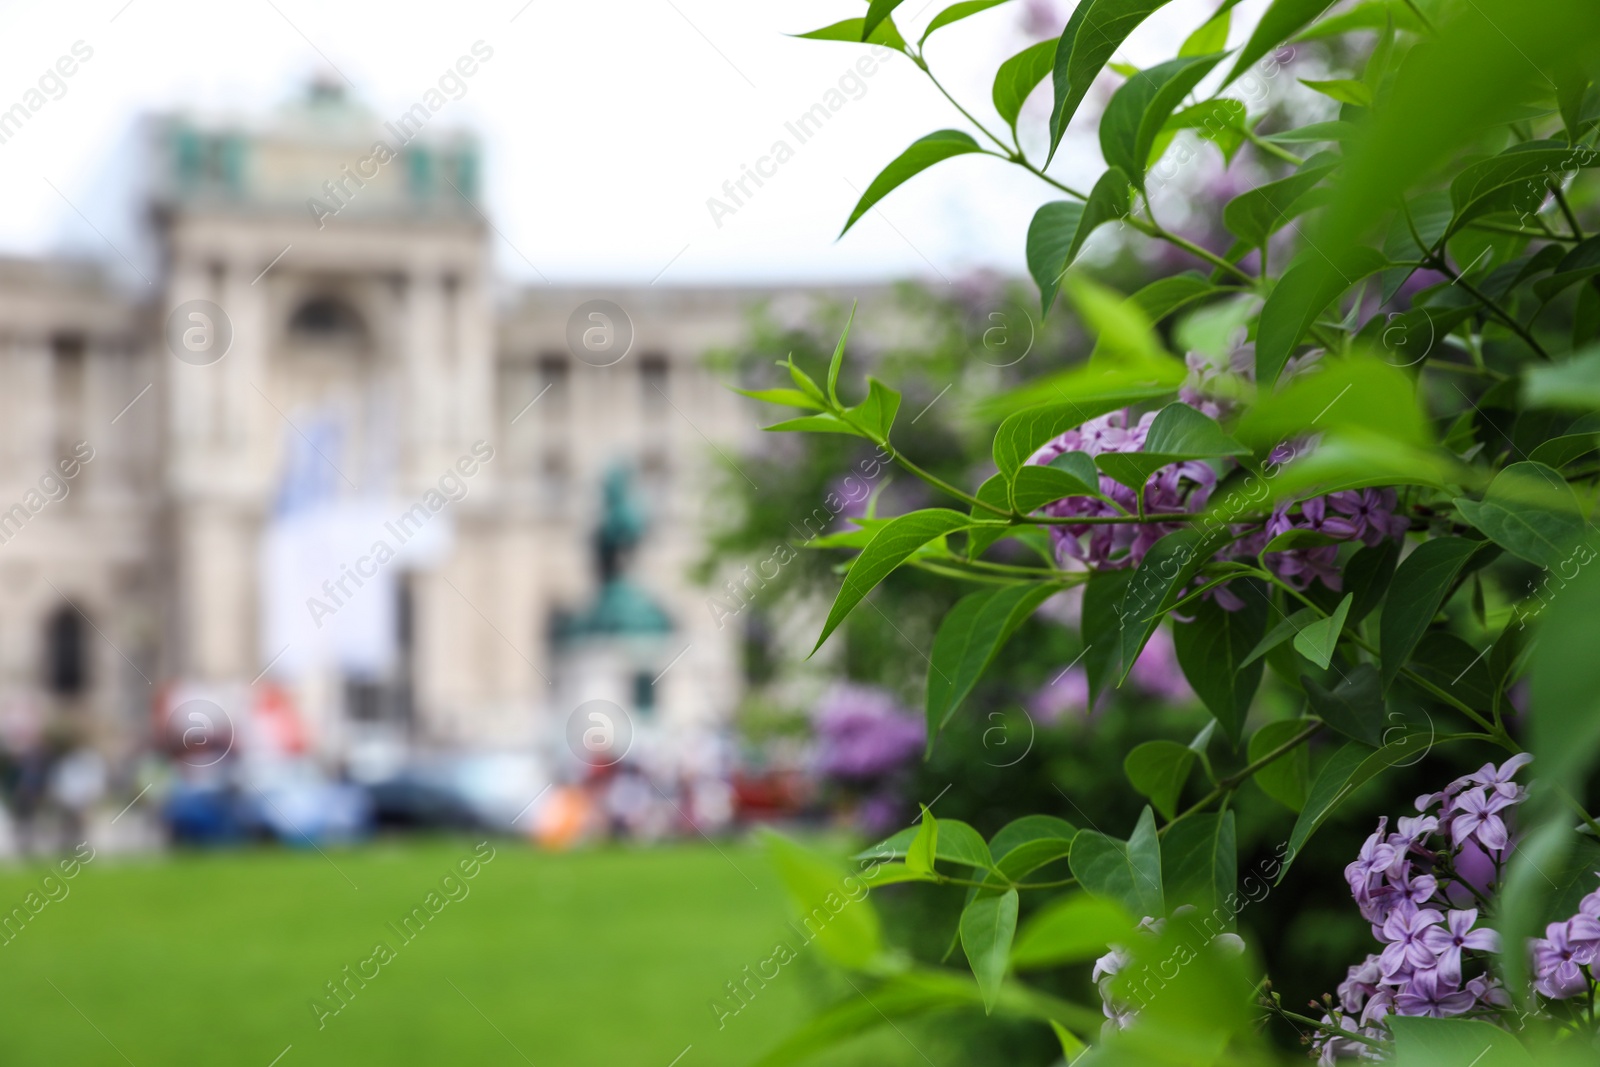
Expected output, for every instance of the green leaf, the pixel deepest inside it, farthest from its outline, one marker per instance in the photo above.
(1367, 576)
(1166, 570)
(1140, 108)
(877, 411)
(1530, 511)
(924, 153)
(924, 847)
(1052, 232)
(852, 937)
(955, 13)
(1353, 707)
(1211, 650)
(1128, 872)
(1029, 828)
(1568, 448)
(1069, 474)
(838, 357)
(1095, 31)
(1514, 180)
(1102, 618)
(1212, 36)
(1370, 16)
(1019, 76)
(1343, 772)
(1060, 228)
(1222, 120)
(1071, 1046)
(1415, 596)
(1125, 337)
(994, 490)
(1345, 90)
(1317, 640)
(1022, 434)
(1258, 214)
(1358, 392)
(1281, 21)
(953, 841)
(852, 30)
(1281, 632)
(969, 638)
(1200, 863)
(1572, 383)
(1315, 133)
(1456, 667)
(1178, 433)
(1024, 845)
(1159, 770)
(1162, 297)
(892, 546)
(1071, 929)
(1423, 1042)
(877, 12)
(1565, 679)
(1354, 458)
(1287, 778)
(903, 996)
(1305, 289)
(824, 423)
(988, 924)
(790, 397)
(894, 874)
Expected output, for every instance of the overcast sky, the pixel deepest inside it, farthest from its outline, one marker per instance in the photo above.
(606, 124)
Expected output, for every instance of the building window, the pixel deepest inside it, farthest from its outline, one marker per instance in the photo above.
(327, 318)
(66, 657)
(653, 380)
(553, 480)
(554, 372)
(644, 693)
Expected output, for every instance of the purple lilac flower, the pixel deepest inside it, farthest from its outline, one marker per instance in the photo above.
(1447, 942)
(1178, 487)
(1428, 993)
(1476, 814)
(1405, 930)
(863, 733)
(1556, 972)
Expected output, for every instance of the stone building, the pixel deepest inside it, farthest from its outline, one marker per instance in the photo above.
(199, 470)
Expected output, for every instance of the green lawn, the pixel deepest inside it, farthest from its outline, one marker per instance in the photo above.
(607, 957)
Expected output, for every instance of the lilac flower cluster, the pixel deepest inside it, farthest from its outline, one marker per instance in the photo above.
(1366, 515)
(1419, 887)
(863, 733)
(1177, 487)
(1566, 956)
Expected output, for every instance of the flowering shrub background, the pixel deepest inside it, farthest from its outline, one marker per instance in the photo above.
(1334, 459)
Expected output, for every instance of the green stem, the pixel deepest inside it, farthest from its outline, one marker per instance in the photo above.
(1152, 228)
(1513, 231)
(922, 65)
(1233, 781)
(1566, 210)
(1492, 306)
(1329, 1028)
(1272, 149)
